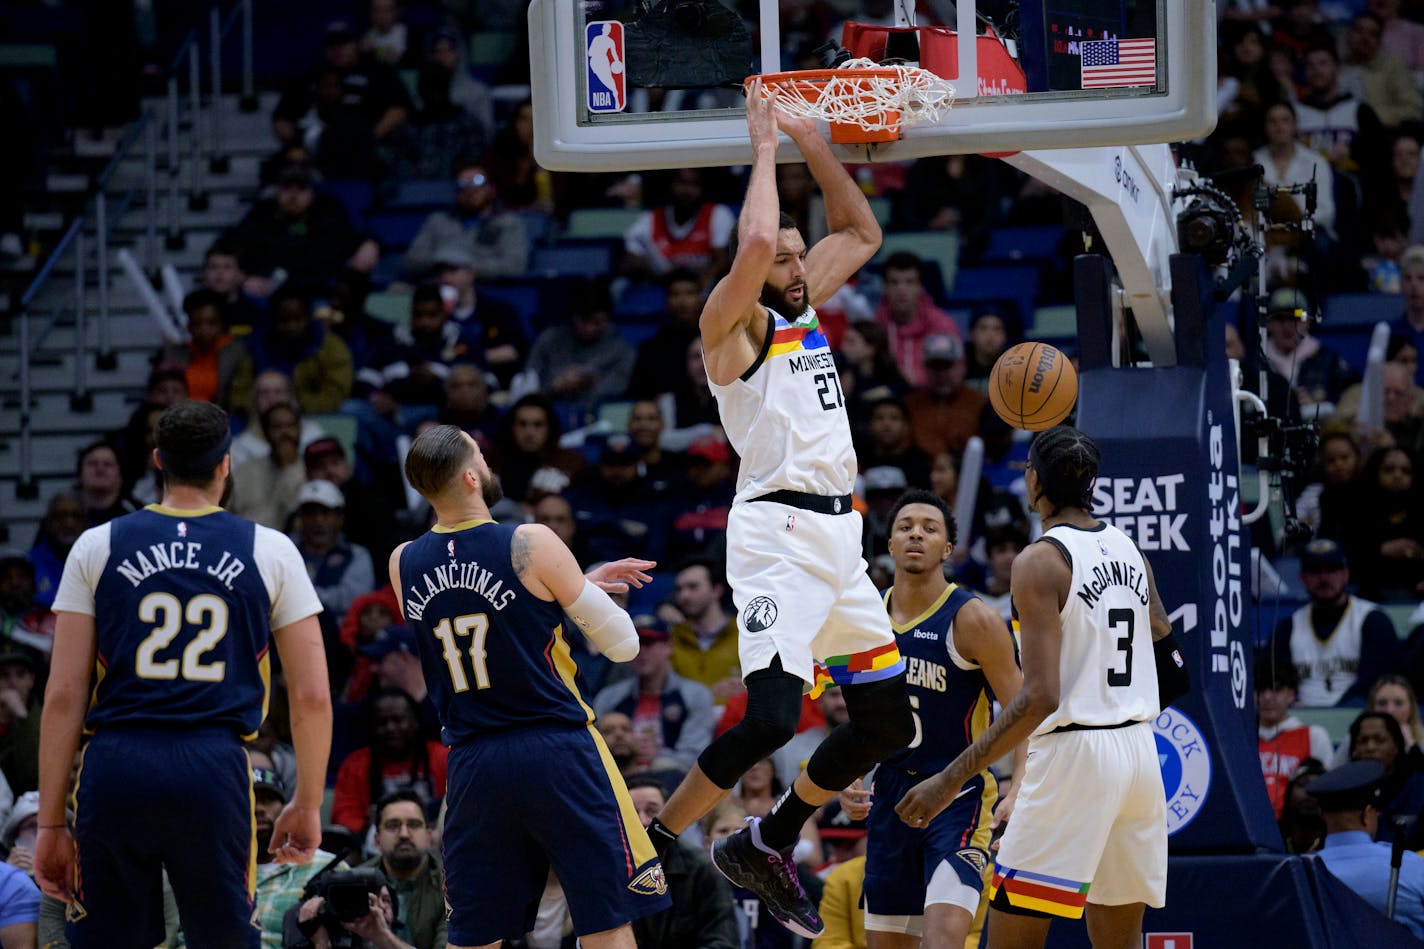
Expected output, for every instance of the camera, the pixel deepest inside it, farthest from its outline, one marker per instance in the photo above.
(345, 895)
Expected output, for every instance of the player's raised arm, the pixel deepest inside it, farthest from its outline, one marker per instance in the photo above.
(735, 297)
(547, 567)
(854, 233)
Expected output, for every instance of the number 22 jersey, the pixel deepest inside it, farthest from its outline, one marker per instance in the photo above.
(494, 654)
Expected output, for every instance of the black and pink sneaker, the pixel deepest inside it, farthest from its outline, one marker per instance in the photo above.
(744, 860)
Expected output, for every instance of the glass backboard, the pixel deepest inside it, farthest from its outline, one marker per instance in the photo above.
(641, 84)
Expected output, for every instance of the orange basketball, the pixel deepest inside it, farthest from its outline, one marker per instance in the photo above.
(1033, 386)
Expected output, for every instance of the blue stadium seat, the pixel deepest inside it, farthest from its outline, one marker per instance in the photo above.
(523, 296)
(427, 193)
(640, 302)
(395, 229)
(636, 334)
(1352, 343)
(572, 260)
(537, 227)
(1018, 283)
(1362, 309)
(1008, 244)
(355, 196)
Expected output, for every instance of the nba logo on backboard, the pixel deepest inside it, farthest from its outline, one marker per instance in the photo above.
(1168, 941)
(607, 81)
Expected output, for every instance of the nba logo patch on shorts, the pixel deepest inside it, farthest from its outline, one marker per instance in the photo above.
(790, 523)
(607, 76)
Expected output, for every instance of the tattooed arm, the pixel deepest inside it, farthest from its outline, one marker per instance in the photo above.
(548, 569)
(1041, 578)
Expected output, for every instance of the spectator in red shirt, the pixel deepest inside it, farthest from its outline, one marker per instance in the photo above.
(944, 414)
(395, 758)
(909, 316)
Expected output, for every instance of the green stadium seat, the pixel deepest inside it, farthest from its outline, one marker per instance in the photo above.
(492, 47)
(601, 223)
(1054, 321)
(615, 414)
(1336, 721)
(940, 247)
(880, 207)
(391, 306)
(1399, 614)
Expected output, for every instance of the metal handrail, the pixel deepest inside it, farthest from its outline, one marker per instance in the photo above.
(188, 50)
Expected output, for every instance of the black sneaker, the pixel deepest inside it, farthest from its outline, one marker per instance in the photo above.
(744, 860)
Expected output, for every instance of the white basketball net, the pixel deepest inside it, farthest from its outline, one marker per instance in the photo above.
(914, 96)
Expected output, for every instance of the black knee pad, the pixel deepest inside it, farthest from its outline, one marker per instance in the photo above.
(881, 723)
(773, 711)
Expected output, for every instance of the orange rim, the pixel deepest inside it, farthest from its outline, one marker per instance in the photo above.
(821, 75)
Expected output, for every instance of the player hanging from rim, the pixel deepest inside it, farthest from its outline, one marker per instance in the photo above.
(1090, 824)
(809, 613)
(923, 885)
(531, 783)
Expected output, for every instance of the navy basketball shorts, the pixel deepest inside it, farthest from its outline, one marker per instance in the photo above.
(522, 801)
(908, 868)
(149, 800)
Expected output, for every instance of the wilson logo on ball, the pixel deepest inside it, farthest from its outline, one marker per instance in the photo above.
(1033, 386)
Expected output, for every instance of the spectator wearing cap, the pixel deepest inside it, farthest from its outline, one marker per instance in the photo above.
(396, 756)
(944, 412)
(1284, 741)
(1339, 643)
(671, 714)
(201, 356)
(1376, 736)
(303, 233)
(370, 522)
(888, 442)
(704, 644)
(909, 316)
(702, 913)
(371, 88)
(842, 835)
(279, 885)
(23, 619)
(665, 471)
(20, 705)
(616, 513)
(404, 838)
(317, 361)
(1349, 800)
(699, 528)
(339, 570)
(585, 361)
(492, 327)
(101, 484)
(658, 366)
(497, 238)
(879, 488)
(1317, 374)
(265, 489)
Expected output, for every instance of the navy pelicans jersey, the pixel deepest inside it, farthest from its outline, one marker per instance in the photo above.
(786, 415)
(493, 653)
(1107, 671)
(188, 602)
(948, 693)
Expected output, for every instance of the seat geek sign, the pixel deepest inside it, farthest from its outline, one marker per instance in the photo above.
(1148, 510)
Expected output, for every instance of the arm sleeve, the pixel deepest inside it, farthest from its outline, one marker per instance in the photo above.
(82, 569)
(606, 626)
(284, 573)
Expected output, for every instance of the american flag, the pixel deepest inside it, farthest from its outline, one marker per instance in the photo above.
(1109, 63)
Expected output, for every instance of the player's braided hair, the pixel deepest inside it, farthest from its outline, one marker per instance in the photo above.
(1066, 462)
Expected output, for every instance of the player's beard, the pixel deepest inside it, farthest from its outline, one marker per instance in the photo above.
(490, 488)
(778, 300)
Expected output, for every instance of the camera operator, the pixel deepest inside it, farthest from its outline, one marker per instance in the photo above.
(404, 838)
(331, 915)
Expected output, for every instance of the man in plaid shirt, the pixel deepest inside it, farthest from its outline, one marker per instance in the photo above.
(279, 885)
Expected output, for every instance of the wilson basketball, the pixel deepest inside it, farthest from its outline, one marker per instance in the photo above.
(1033, 386)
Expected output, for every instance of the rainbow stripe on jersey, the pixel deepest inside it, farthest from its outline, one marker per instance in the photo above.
(805, 333)
(882, 662)
(1039, 891)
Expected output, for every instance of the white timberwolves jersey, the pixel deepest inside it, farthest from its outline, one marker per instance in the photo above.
(786, 415)
(1107, 672)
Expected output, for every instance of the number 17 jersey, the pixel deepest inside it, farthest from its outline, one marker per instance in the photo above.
(1107, 672)
(493, 654)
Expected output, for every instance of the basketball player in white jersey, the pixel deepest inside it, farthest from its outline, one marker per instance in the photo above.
(809, 614)
(1090, 826)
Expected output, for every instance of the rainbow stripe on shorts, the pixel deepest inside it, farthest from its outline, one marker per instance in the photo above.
(1039, 891)
(791, 337)
(882, 662)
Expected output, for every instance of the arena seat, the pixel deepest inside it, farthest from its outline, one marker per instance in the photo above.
(609, 223)
(938, 247)
(1011, 244)
(571, 260)
(394, 230)
(426, 193)
(393, 306)
(1361, 309)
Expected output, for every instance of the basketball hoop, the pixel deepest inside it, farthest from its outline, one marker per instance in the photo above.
(863, 101)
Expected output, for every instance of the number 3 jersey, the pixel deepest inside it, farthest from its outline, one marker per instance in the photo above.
(184, 602)
(493, 653)
(1107, 673)
(786, 415)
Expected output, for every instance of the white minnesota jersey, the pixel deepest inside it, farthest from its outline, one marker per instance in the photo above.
(1107, 671)
(786, 415)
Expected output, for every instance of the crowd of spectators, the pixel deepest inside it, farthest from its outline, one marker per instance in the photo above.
(602, 426)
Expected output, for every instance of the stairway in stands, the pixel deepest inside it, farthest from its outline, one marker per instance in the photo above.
(58, 430)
